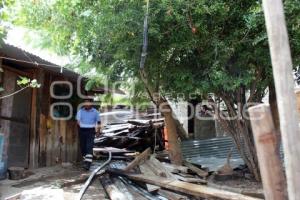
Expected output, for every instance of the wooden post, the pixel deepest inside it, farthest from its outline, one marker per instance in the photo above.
(175, 153)
(267, 152)
(284, 84)
(297, 92)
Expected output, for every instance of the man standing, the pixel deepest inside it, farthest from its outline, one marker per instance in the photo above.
(88, 119)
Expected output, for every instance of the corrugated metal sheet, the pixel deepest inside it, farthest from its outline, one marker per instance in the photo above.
(212, 153)
(215, 147)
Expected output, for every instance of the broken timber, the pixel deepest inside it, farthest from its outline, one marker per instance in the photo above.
(267, 152)
(140, 158)
(145, 169)
(112, 189)
(284, 85)
(171, 195)
(186, 188)
(195, 169)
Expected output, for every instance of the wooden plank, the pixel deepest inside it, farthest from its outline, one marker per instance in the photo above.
(190, 180)
(116, 128)
(172, 195)
(297, 92)
(35, 120)
(195, 169)
(112, 190)
(175, 168)
(6, 110)
(136, 190)
(43, 141)
(139, 159)
(14, 197)
(267, 152)
(145, 121)
(111, 149)
(146, 170)
(22, 73)
(186, 188)
(15, 110)
(158, 168)
(63, 137)
(136, 193)
(284, 85)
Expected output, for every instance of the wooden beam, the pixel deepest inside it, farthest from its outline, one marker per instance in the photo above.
(195, 169)
(183, 187)
(139, 159)
(284, 85)
(175, 168)
(34, 146)
(115, 188)
(267, 152)
(145, 169)
(20, 72)
(158, 168)
(190, 179)
(171, 195)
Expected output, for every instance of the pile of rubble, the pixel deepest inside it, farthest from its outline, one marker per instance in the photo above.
(132, 163)
(141, 168)
(134, 135)
(146, 177)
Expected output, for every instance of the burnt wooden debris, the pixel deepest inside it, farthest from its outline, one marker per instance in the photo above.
(146, 177)
(135, 135)
(141, 168)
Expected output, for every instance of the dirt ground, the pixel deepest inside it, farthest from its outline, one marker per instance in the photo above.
(69, 179)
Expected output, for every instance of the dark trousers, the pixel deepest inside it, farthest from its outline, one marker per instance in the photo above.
(86, 137)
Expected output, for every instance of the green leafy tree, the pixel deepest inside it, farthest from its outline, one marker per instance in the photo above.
(198, 47)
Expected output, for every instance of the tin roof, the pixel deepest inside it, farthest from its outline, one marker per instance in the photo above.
(23, 59)
(18, 56)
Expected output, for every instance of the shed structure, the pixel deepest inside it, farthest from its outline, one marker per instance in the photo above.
(33, 137)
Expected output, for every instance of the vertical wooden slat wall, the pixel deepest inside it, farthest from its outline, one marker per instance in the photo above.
(52, 141)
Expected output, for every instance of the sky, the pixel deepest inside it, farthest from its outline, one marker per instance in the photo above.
(16, 37)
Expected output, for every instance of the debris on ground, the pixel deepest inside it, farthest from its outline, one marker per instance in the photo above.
(135, 134)
(140, 168)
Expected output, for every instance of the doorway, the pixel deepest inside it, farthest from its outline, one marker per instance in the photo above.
(15, 114)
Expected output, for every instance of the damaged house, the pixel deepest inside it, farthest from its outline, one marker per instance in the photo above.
(31, 134)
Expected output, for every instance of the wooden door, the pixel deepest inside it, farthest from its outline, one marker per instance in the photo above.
(15, 120)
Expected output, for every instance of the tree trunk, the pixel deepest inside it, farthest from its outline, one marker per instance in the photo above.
(243, 140)
(240, 130)
(247, 150)
(166, 110)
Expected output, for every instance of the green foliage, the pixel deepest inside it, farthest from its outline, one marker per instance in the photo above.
(26, 82)
(95, 82)
(194, 46)
(3, 17)
(23, 81)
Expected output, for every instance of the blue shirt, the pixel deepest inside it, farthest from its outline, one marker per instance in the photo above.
(88, 118)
